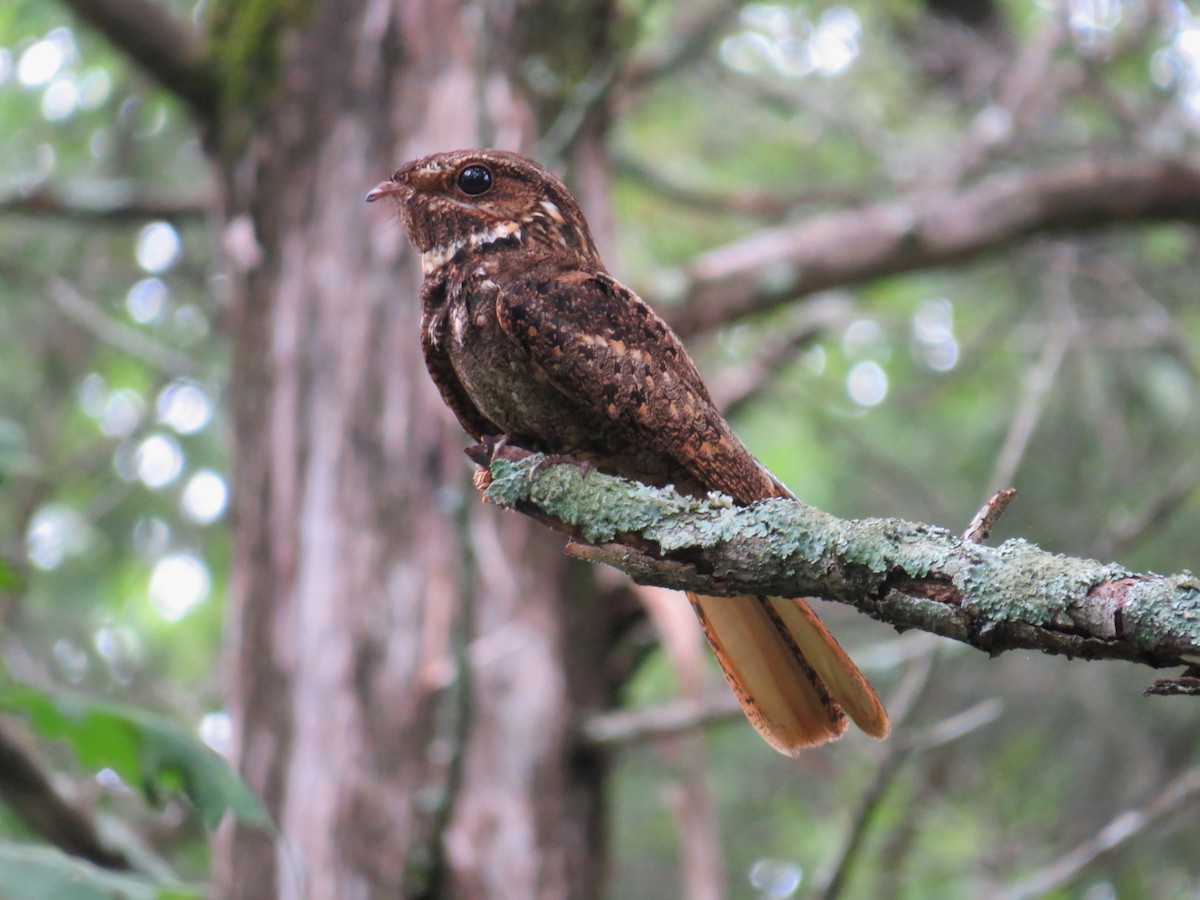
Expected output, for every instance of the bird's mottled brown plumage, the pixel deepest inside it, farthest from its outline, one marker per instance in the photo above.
(527, 336)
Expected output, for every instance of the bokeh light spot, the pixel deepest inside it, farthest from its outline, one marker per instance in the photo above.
(205, 497)
(867, 383)
(158, 247)
(178, 584)
(158, 461)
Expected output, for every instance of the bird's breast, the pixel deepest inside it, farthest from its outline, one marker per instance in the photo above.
(500, 379)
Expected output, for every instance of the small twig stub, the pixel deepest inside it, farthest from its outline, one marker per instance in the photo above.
(985, 520)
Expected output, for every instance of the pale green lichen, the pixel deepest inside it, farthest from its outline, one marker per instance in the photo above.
(787, 544)
(600, 505)
(1020, 582)
(1164, 609)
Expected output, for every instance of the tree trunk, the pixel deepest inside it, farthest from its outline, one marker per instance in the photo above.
(406, 664)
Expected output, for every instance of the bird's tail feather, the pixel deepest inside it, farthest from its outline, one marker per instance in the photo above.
(791, 677)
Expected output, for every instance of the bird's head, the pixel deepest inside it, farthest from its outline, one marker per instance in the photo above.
(475, 199)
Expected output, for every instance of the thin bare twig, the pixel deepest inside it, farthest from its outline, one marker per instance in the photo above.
(588, 96)
(1125, 530)
(1123, 828)
(898, 752)
(912, 688)
(1039, 379)
(1035, 389)
(690, 40)
(122, 337)
(689, 795)
(769, 205)
(1187, 685)
(1023, 84)
(631, 726)
(737, 388)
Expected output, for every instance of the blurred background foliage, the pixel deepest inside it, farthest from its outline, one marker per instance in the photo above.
(1064, 366)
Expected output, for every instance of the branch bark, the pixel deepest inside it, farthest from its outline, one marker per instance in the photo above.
(170, 49)
(27, 790)
(930, 228)
(1123, 828)
(114, 204)
(911, 575)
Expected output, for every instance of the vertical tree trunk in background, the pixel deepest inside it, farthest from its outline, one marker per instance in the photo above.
(406, 665)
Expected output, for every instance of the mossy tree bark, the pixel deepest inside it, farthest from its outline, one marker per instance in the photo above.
(405, 672)
(400, 682)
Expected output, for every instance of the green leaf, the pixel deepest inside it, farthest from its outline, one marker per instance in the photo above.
(10, 578)
(146, 750)
(34, 872)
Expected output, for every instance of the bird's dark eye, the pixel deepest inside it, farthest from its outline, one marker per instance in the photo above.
(475, 180)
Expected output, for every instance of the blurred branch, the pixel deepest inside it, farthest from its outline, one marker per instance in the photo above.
(117, 205)
(115, 334)
(907, 574)
(898, 751)
(1026, 84)
(1123, 828)
(912, 688)
(168, 47)
(950, 729)
(27, 790)
(688, 795)
(929, 228)
(1127, 529)
(629, 726)
(737, 387)
(690, 40)
(613, 75)
(1039, 377)
(589, 95)
(762, 203)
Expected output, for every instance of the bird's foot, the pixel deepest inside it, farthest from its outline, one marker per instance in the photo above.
(488, 449)
(554, 459)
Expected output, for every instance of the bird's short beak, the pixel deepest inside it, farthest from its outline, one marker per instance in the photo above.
(383, 189)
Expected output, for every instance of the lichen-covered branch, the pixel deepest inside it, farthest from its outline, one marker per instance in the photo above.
(911, 575)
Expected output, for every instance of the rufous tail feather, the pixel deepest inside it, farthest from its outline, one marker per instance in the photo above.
(790, 676)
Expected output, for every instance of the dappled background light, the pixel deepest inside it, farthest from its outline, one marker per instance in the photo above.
(867, 383)
(775, 879)
(159, 460)
(184, 406)
(158, 247)
(147, 300)
(205, 497)
(43, 59)
(179, 582)
(784, 40)
(891, 395)
(56, 532)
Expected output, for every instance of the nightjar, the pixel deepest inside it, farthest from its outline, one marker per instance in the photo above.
(528, 337)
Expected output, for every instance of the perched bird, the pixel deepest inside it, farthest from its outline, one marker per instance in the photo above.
(529, 338)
